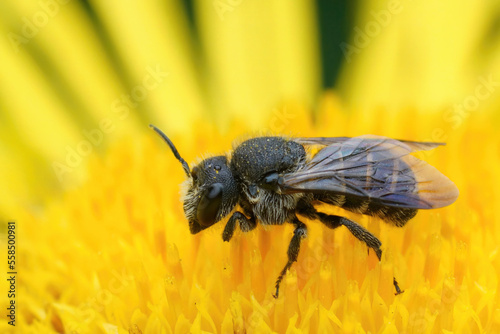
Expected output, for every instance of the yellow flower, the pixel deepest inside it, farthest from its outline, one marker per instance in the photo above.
(102, 242)
(116, 255)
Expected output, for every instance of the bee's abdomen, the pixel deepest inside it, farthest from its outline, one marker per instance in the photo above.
(393, 215)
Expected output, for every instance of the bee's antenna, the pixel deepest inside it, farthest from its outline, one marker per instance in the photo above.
(174, 150)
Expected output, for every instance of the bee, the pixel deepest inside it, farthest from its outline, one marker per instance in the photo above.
(274, 180)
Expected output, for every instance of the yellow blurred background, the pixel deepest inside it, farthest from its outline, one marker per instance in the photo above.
(71, 67)
(77, 77)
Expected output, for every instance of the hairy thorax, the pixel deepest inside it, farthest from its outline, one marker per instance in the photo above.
(269, 207)
(257, 158)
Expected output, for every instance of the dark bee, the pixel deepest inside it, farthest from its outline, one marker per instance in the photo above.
(274, 179)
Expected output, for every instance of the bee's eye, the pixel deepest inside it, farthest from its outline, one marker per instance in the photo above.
(209, 205)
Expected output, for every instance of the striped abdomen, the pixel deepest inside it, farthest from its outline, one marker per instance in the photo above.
(397, 216)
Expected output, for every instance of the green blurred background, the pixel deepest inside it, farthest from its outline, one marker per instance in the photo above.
(76, 72)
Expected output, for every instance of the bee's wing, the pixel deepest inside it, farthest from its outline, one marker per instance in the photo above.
(377, 168)
(326, 141)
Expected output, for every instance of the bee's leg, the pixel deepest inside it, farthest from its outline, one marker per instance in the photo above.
(364, 235)
(299, 233)
(246, 224)
(357, 230)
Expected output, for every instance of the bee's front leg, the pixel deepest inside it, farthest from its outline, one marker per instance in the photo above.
(299, 233)
(246, 224)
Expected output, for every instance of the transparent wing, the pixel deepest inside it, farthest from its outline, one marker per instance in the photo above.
(377, 168)
(326, 141)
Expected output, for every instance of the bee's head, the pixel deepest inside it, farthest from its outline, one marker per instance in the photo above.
(211, 195)
(211, 190)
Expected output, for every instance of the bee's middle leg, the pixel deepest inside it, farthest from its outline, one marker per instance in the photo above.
(246, 224)
(299, 233)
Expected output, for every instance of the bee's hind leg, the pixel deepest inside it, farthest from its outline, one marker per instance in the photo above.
(357, 230)
(364, 235)
(299, 233)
